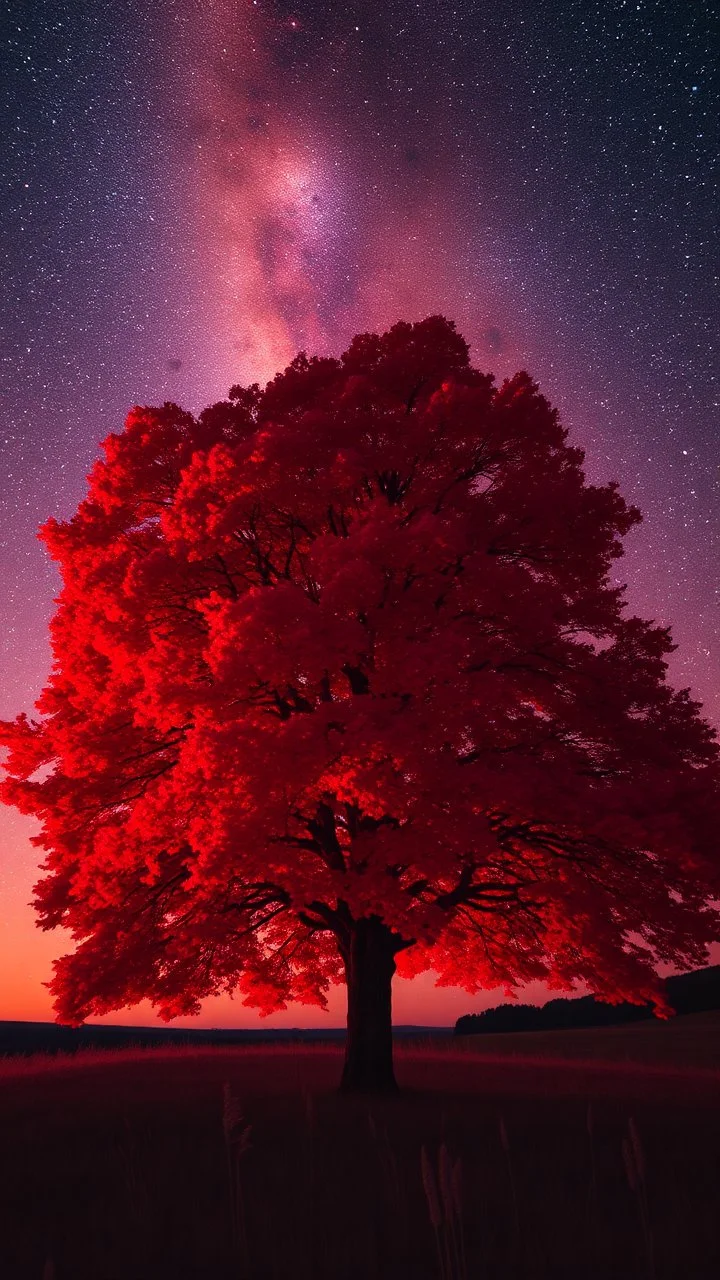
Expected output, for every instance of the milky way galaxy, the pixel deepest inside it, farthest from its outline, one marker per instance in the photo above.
(313, 220)
(262, 199)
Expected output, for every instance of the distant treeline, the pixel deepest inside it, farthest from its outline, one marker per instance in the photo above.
(692, 992)
(50, 1037)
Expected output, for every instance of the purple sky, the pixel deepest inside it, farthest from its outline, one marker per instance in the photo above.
(187, 203)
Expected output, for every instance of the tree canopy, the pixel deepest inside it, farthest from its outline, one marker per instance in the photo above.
(346, 648)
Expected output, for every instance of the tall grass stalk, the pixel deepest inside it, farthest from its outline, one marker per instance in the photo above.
(505, 1143)
(433, 1202)
(309, 1109)
(391, 1175)
(237, 1142)
(592, 1201)
(135, 1187)
(635, 1170)
(445, 1211)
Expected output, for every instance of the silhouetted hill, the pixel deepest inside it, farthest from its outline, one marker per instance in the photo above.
(694, 992)
(49, 1037)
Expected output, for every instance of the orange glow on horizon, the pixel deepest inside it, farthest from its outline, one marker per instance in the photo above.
(27, 952)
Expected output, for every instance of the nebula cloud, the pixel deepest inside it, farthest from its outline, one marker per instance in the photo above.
(319, 208)
(261, 196)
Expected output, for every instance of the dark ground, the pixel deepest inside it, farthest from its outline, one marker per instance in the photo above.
(114, 1165)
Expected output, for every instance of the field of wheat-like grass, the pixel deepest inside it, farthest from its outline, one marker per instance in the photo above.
(541, 1156)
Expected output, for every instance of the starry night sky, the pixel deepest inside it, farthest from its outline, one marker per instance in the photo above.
(191, 193)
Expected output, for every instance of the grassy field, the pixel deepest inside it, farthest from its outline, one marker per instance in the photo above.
(570, 1155)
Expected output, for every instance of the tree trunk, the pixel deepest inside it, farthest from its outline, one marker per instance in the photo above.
(369, 967)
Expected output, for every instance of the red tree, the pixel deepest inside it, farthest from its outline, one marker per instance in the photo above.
(341, 687)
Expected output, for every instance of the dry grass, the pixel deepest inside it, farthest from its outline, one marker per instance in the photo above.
(692, 1040)
(245, 1163)
(634, 1160)
(237, 1141)
(443, 1192)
